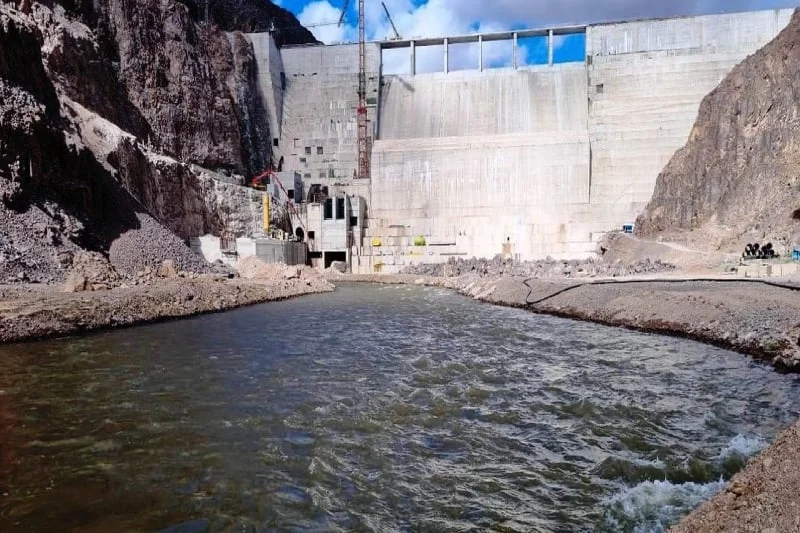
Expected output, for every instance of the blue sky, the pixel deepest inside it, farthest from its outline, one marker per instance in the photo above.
(439, 18)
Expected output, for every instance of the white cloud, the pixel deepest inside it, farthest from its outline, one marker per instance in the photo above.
(440, 18)
(321, 17)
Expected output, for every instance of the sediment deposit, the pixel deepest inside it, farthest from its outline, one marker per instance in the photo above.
(37, 312)
(544, 269)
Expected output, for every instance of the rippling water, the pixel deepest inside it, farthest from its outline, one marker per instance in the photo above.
(375, 409)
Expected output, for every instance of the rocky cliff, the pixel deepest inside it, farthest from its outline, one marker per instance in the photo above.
(737, 180)
(117, 119)
(250, 16)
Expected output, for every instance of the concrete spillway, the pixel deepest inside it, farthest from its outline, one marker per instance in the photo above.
(531, 161)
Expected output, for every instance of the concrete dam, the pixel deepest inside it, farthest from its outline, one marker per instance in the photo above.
(520, 159)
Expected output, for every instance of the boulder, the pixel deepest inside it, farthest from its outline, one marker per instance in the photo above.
(76, 282)
(168, 269)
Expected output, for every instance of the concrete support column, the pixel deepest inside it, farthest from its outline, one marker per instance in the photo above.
(446, 59)
(413, 58)
(550, 47)
(480, 53)
(514, 61)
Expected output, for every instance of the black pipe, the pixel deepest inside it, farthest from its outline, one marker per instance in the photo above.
(611, 282)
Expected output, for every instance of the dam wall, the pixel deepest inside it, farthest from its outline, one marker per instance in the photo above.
(525, 161)
(318, 91)
(646, 81)
(474, 160)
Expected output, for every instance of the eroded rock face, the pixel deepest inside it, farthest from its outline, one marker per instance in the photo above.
(176, 74)
(737, 180)
(105, 109)
(250, 16)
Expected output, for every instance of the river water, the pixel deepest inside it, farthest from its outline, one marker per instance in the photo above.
(375, 409)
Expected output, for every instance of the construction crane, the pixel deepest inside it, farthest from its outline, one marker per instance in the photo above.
(344, 12)
(394, 28)
(361, 112)
(363, 171)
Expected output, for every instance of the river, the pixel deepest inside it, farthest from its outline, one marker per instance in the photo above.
(375, 408)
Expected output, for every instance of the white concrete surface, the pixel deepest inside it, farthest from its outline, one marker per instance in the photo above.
(319, 133)
(533, 162)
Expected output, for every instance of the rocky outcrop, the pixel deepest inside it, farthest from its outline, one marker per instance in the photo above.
(189, 90)
(251, 16)
(105, 112)
(183, 79)
(737, 180)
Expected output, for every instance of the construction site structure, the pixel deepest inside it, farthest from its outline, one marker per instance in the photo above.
(363, 139)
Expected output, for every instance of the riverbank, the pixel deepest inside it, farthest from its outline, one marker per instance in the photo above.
(35, 312)
(754, 318)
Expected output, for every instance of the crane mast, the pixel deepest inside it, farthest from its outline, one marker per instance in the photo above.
(363, 138)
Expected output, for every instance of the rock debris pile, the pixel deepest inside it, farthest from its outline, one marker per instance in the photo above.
(543, 269)
(256, 269)
(148, 246)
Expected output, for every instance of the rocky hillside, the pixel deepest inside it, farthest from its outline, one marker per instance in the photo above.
(737, 180)
(250, 16)
(120, 122)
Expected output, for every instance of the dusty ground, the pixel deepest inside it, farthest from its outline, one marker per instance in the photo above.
(628, 249)
(34, 312)
(750, 317)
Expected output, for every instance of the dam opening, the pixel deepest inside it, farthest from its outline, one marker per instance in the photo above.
(430, 412)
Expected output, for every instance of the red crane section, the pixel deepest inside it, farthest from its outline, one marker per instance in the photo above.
(361, 112)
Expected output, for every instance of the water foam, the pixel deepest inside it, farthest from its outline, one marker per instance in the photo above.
(652, 506)
(743, 446)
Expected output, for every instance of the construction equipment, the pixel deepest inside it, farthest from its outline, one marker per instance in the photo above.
(258, 183)
(756, 251)
(394, 28)
(344, 12)
(361, 112)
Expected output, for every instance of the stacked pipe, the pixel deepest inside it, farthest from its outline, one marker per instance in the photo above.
(756, 251)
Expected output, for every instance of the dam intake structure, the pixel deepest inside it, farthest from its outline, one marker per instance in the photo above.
(537, 154)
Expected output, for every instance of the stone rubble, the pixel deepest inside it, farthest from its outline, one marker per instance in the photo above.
(544, 269)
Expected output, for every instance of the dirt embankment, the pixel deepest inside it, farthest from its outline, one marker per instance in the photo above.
(34, 312)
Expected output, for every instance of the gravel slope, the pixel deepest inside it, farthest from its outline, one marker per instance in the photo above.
(36, 312)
